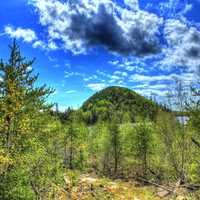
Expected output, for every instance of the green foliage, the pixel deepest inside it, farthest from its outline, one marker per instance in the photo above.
(142, 144)
(117, 133)
(175, 143)
(27, 132)
(114, 145)
(98, 143)
(74, 142)
(102, 104)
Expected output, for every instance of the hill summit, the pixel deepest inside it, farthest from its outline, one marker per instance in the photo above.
(121, 100)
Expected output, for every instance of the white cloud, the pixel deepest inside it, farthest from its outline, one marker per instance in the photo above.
(154, 87)
(149, 92)
(49, 46)
(174, 31)
(96, 86)
(39, 44)
(133, 4)
(166, 88)
(114, 77)
(70, 91)
(187, 8)
(92, 77)
(136, 65)
(183, 45)
(146, 89)
(52, 46)
(27, 35)
(148, 78)
(121, 73)
(187, 77)
(117, 77)
(70, 74)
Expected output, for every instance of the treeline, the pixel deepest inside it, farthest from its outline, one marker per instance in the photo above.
(38, 145)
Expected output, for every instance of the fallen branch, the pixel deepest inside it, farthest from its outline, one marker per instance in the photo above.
(171, 190)
(191, 187)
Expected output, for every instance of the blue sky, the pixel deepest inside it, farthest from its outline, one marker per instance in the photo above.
(84, 46)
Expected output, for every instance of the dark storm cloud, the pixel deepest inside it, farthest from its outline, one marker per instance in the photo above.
(195, 37)
(102, 29)
(86, 24)
(143, 43)
(193, 50)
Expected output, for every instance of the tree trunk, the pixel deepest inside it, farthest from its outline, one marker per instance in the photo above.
(116, 161)
(71, 153)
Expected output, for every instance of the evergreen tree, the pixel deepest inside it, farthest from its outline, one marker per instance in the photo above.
(18, 96)
(22, 106)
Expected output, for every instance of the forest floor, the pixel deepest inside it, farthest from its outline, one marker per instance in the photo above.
(88, 187)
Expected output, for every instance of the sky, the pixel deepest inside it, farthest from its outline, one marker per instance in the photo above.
(83, 46)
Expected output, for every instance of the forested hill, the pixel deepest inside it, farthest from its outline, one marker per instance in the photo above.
(121, 100)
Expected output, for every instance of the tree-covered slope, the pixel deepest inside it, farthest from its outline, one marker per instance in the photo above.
(121, 100)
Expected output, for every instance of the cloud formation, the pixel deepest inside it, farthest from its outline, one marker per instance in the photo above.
(70, 91)
(27, 35)
(187, 77)
(96, 86)
(184, 44)
(82, 25)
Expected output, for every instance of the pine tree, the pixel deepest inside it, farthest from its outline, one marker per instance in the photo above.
(18, 96)
(22, 106)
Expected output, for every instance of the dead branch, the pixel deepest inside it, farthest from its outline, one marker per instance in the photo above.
(171, 190)
(195, 142)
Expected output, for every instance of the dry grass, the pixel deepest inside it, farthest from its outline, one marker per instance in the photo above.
(90, 188)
